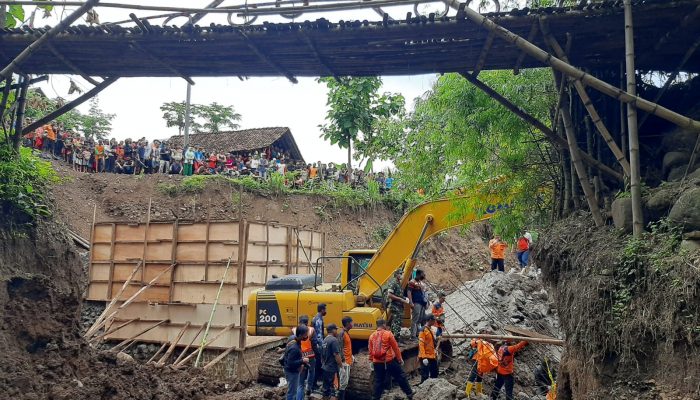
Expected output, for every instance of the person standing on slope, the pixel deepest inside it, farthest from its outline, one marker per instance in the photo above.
(504, 372)
(498, 253)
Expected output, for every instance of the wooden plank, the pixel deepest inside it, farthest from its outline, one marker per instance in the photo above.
(145, 236)
(114, 329)
(121, 345)
(173, 344)
(526, 332)
(157, 352)
(219, 358)
(99, 319)
(484, 53)
(173, 253)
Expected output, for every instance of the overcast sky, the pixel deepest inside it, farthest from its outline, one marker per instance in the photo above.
(262, 102)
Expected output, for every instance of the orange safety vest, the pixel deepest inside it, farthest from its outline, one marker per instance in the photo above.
(426, 344)
(307, 350)
(439, 312)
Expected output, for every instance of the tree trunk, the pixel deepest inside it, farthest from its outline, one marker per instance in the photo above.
(349, 154)
(566, 177)
(19, 122)
(635, 178)
(576, 203)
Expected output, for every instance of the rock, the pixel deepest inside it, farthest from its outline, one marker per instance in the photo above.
(676, 174)
(686, 211)
(674, 159)
(659, 203)
(690, 245)
(622, 213)
(678, 139)
(522, 396)
(436, 389)
(123, 358)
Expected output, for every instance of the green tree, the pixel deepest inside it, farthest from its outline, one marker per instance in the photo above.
(218, 117)
(96, 124)
(356, 112)
(458, 137)
(39, 105)
(174, 115)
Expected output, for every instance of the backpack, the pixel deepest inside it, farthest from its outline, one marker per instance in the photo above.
(486, 358)
(523, 244)
(283, 358)
(377, 350)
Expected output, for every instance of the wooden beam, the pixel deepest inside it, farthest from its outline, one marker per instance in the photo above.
(177, 360)
(555, 139)
(202, 347)
(112, 330)
(19, 120)
(530, 37)
(173, 344)
(670, 34)
(484, 53)
(34, 46)
(148, 53)
(95, 325)
(127, 341)
(579, 75)
(556, 342)
(31, 82)
(153, 357)
(70, 64)
(261, 55)
(219, 357)
(581, 90)
(71, 105)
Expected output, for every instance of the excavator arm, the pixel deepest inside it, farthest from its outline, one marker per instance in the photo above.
(415, 227)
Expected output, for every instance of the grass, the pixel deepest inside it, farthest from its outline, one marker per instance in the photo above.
(23, 182)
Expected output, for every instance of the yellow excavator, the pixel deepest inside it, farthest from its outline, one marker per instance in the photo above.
(364, 275)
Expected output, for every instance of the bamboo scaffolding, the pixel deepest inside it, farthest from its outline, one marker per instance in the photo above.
(132, 338)
(107, 309)
(184, 351)
(34, 46)
(219, 358)
(530, 37)
(635, 166)
(71, 105)
(157, 353)
(484, 53)
(556, 342)
(196, 351)
(157, 60)
(581, 90)
(264, 57)
(112, 330)
(578, 164)
(579, 75)
(213, 309)
(21, 106)
(31, 82)
(555, 139)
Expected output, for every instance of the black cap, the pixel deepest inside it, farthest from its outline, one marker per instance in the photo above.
(332, 328)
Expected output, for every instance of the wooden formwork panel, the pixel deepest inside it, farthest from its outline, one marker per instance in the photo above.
(178, 316)
(200, 252)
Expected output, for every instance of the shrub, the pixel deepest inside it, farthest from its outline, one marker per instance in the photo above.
(23, 182)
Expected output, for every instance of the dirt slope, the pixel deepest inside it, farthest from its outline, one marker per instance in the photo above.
(125, 198)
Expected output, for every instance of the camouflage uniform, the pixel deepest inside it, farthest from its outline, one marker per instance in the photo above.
(395, 308)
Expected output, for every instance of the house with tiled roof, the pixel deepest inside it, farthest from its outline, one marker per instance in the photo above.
(257, 139)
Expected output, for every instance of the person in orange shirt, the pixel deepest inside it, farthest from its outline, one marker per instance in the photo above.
(439, 313)
(504, 372)
(50, 138)
(498, 253)
(385, 359)
(348, 359)
(308, 374)
(426, 350)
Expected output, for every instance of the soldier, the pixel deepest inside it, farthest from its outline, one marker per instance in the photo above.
(395, 303)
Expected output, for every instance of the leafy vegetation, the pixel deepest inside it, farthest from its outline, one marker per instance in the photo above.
(356, 113)
(212, 118)
(23, 181)
(96, 123)
(459, 137)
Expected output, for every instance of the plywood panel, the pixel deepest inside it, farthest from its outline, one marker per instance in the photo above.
(159, 251)
(278, 234)
(189, 272)
(128, 251)
(122, 271)
(222, 252)
(160, 231)
(256, 252)
(130, 232)
(304, 238)
(99, 272)
(204, 293)
(197, 314)
(101, 252)
(255, 274)
(152, 270)
(256, 232)
(223, 231)
(97, 291)
(103, 233)
(216, 272)
(190, 252)
(192, 232)
(278, 254)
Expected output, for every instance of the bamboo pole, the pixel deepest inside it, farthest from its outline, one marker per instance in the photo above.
(556, 140)
(153, 357)
(99, 319)
(177, 360)
(556, 342)
(112, 330)
(173, 344)
(581, 90)
(70, 64)
(577, 74)
(127, 341)
(213, 310)
(69, 106)
(19, 121)
(195, 352)
(219, 357)
(578, 165)
(693, 158)
(35, 45)
(148, 53)
(635, 178)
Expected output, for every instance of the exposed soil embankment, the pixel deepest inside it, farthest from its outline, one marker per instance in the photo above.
(44, 356)
(126, 198)
(630, 310)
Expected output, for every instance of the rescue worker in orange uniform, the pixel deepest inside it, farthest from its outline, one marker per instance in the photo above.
(504, 372)
(475, 379)
(426, 350)
(498, 253)
(308, 374)
(385, 360)
(439, 313)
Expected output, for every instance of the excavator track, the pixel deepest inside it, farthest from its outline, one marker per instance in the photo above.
(361, 375)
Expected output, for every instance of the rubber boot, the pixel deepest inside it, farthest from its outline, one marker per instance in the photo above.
(468, 390)
(479, 388)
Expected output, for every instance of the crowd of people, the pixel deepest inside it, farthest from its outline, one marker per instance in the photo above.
(136, 157)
